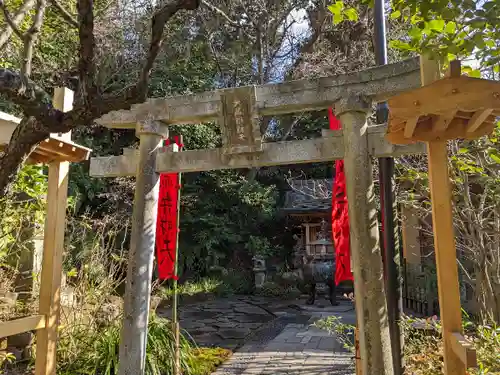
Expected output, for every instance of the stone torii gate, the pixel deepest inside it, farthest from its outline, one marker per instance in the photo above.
(237, 111)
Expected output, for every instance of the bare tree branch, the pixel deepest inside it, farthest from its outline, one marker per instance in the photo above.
(16, 20)
(65, 14)
(160, 19)
(31, 36)
(220, 12)
(318, 189)
(9, 21)
(32, 100)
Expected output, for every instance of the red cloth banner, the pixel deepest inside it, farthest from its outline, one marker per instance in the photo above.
(167, 226)
(340, 216)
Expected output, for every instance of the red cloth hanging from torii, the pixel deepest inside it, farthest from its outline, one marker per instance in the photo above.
(166, 224)
(340, 216)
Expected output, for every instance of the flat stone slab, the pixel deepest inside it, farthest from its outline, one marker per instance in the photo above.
(249, 309)
(223, 322)
(252, 318)
(205, 329)
(234, 333)
(200, 315)
(226, 324)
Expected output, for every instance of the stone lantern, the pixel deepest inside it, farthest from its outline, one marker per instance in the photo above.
(259, 269)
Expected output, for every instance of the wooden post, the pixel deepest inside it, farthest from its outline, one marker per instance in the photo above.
(141, 254)
(53, 246)
(445, 250)
(444, 237)
(369, 293)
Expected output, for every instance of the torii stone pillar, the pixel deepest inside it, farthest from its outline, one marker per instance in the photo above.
(369, 293)
(142, 249)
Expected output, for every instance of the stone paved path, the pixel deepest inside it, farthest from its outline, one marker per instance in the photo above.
(298, 349)
(224, 322)
(269, 336)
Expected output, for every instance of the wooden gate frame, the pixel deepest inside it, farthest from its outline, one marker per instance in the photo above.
(445, 108)
(57, 151)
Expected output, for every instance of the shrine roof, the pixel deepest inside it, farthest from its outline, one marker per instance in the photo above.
(309, 196)
(57, 147)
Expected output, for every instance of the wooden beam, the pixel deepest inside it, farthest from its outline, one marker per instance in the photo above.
(430, 70)
(449, 94)
(410, 127)
(327, 148)
(457, 129)
(455, 69)
(63, 149)
(21, 325)
(64, 99)
(464, 350)
(445, 250)
(308, 238)
(53, 248)
(443, 121)
(477, 119)
(39, 158)
(357, 352)
(380, 83)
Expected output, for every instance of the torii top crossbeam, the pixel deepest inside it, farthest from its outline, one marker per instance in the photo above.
(237, 111)
(378, 83)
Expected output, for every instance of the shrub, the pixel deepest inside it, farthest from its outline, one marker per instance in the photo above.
(487, 340)
(272, 289)
(238, 282)
(191, 288)
(96, 352)
(423, 344)
(343, 332)
(206, 360)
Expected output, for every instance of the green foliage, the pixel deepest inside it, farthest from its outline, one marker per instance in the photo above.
(451, 29)
(223, 212)
(6, 357)
(238, 281)
(96, 352)
(190, 288)
(341, 12)
(423, 344)
(23, 208)
(423, 349)
(274, 289)
(343, 332)
(55, 48)
(487, 341)
(206, 360)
